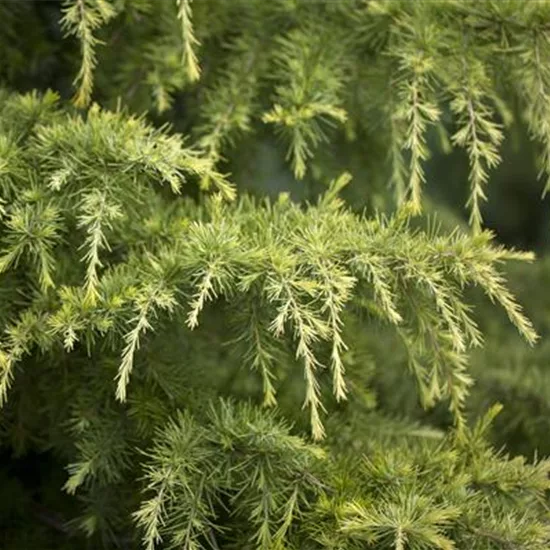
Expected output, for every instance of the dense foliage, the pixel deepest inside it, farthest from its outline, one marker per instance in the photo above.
(229, 316)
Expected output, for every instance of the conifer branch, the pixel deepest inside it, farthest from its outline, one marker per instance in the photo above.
(479, 134)
(309, 101)
(172, 477)
(189, 40)
(307, 270)
(395, 154)
(308, 329)
(96, 218)
(418, 112)
(7, 362)
(20, 338)
(154, 296)
(82, 18)
(534, 81)
(260, 352)
(33, 230)
(391, 520)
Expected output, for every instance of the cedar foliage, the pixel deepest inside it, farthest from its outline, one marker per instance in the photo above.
(191, 361)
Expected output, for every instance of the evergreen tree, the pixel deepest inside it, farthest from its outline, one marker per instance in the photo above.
(234, 313)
